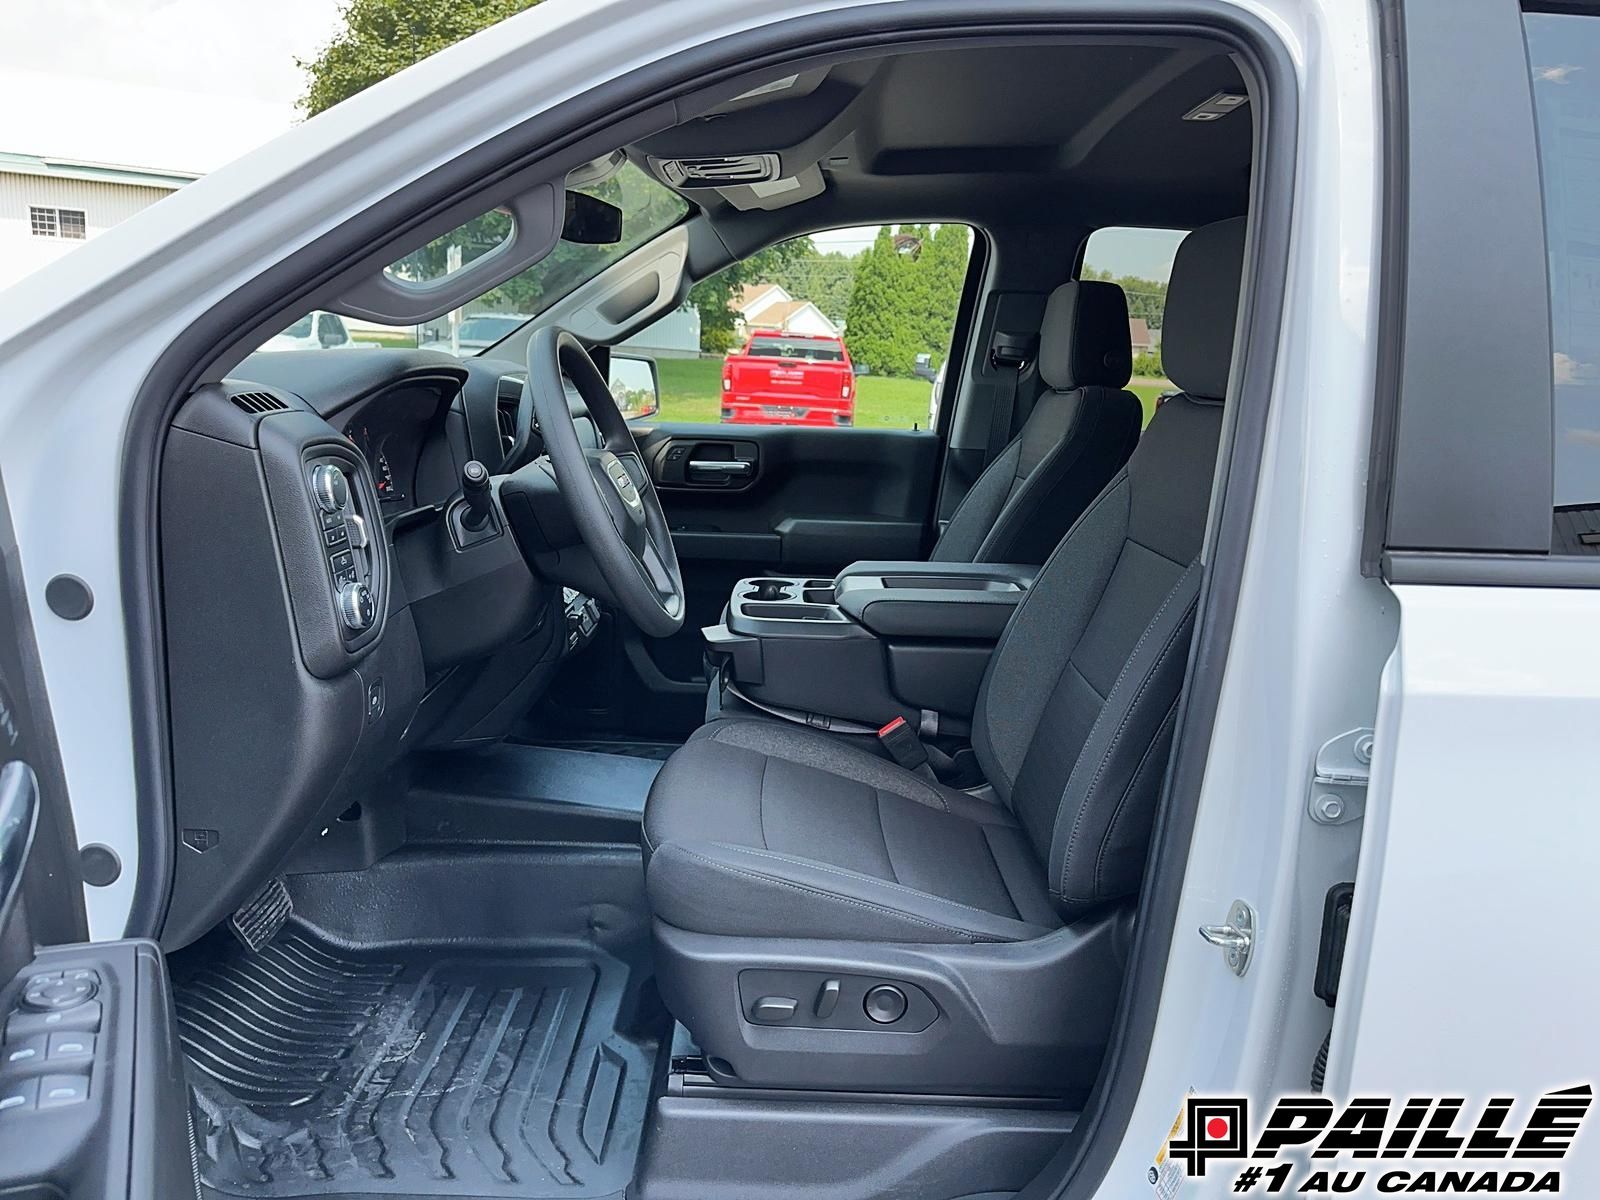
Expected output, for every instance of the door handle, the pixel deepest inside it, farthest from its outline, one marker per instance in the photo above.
(722, 466)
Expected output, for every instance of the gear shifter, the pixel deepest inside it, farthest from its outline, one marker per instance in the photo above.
(475, 491)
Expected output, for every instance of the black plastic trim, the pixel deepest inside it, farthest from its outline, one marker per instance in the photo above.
(1475, 371)
(1490, 570)
(1082, 1165)
(1391, 287)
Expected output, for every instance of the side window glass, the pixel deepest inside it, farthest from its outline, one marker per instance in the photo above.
(1564, 56)
(1139, 261)
(847, 328)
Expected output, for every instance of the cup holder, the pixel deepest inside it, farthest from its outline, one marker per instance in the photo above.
(768, 590)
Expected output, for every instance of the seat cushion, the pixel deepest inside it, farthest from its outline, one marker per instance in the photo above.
(761, 829)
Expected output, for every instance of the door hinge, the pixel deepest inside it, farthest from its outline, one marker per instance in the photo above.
(1237, 938)
(1339, 780)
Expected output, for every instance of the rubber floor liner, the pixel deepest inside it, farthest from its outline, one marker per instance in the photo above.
(441, 1072)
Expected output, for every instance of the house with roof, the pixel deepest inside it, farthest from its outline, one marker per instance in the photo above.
(71, 171)
(769, 307)
(49, 206)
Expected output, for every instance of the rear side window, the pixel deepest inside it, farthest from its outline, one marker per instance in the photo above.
(1564, 57)
(1140, 262)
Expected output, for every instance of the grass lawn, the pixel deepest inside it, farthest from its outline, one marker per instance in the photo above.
(691, 390)
(399, 340)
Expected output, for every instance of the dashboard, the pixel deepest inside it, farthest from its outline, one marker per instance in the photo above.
(315, 551)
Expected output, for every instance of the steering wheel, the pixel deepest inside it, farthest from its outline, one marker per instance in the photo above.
(608, 491)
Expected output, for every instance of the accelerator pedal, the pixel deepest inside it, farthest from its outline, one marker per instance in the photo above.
(257, 922)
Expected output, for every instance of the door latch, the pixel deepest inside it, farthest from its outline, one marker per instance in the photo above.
(1237, 938)
(1339, 779)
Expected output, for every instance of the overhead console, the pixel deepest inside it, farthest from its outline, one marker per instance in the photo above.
(880, 640)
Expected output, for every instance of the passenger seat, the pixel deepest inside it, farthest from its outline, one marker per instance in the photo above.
(1078, 436)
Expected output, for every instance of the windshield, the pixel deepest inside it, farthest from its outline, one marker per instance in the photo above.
(489, 329)
(648, 209)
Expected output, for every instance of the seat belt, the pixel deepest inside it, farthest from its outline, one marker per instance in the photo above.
(1009, 355)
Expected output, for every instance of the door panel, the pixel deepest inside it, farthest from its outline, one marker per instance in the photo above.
(811, 501)
(92, 1097)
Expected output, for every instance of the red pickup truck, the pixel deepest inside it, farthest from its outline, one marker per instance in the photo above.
(789, 379)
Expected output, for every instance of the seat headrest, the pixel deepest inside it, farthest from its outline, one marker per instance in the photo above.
(1083, 341)
(1202, 306)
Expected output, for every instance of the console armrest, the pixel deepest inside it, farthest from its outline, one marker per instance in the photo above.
(967, 601)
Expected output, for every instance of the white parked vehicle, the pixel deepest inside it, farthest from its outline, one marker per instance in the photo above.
(478, 333)
(1068, 810)
(314, 331)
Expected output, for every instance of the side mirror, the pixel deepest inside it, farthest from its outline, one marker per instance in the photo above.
(636, 385)
(591, 221)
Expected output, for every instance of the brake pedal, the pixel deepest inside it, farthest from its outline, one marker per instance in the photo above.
(258, 920)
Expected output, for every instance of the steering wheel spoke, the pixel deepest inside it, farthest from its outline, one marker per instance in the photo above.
(607, 489)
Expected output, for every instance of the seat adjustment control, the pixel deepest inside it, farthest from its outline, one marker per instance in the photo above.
(827, 1000)
(885, 1004)
(772, 1009)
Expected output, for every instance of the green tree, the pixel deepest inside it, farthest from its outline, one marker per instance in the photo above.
(943, 267)
(1147, 298)
(714, 296)
(907, 290)
(381, 37)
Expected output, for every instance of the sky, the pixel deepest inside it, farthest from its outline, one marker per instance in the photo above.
(188, 85)
(171, 84)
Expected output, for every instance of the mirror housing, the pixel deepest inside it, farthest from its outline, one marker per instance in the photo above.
(635, 382)
(591, 221)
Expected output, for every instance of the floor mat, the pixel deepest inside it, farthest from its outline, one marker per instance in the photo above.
(441, 1072)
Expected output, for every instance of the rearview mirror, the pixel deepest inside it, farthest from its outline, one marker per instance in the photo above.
(636, 385)
(591, 221)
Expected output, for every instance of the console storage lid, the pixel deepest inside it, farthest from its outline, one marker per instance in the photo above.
(879, 641)
(932, 600)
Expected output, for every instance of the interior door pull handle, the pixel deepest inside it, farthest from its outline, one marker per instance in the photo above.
(722, 466)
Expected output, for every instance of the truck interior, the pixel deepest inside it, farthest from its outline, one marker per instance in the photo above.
(565, 806)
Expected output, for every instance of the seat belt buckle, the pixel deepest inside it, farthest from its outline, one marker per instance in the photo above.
(903, 744)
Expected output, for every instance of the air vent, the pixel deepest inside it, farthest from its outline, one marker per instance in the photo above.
(257, 403)
(506, 415)
(508, 403)
(720, 171)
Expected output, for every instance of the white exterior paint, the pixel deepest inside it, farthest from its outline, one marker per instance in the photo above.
(1478, 880)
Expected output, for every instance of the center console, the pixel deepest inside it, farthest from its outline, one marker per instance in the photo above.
(878, 641)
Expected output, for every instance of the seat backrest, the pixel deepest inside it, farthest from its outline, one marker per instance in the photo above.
(1077, 437)
(1075, 716)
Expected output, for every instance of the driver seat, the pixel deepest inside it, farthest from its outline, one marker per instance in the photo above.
(793, 878)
